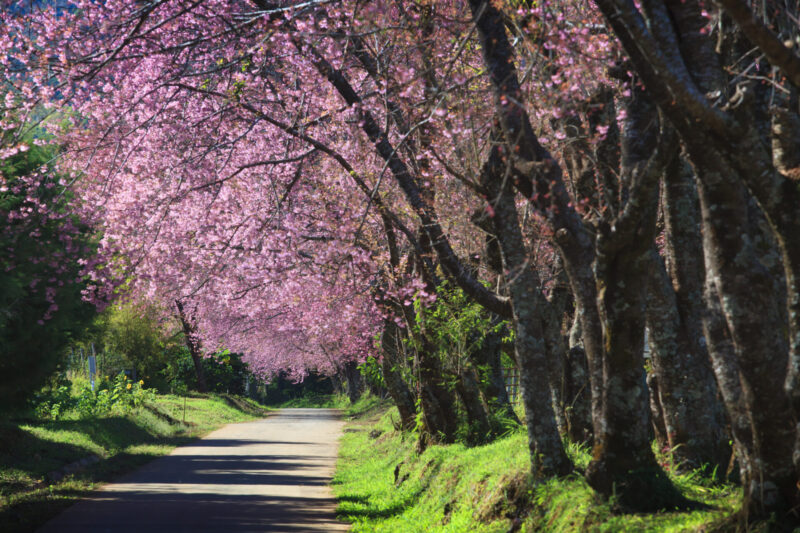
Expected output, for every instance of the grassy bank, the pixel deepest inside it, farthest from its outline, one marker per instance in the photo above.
(46, 465)
(383, 485)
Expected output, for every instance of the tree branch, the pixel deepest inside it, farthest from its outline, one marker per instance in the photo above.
(766, 41)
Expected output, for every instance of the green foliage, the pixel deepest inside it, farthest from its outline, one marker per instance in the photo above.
(456, 324)
(372, 373)
(118, 395)
(457, 328)
(367, 403)
(315, 390)
(382, 484)
(140, 338)
(137, 334)
(225, 371)
(41, 306)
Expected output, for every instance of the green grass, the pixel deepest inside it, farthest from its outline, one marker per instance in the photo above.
(382, 484)
(365, 405)
(31, 450)
(328, 401)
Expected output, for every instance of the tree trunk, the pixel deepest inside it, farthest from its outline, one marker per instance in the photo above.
(623, 461)
(686, 390)
(436, 400)
(726, 144)
(557, 355)
(578, 405)
(684, 252)
(488, 357)
(726, 371)
(398, 390)
(613, 323)
(657, 413)
(577, 387)
(527, 302)
(336, 383)
(354, 382)
(751, 309)
(467, 387)
(193, 344)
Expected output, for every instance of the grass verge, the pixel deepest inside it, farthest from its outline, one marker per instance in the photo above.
(382, 484)
(40, 461)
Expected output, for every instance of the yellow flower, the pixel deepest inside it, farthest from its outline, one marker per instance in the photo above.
(129, 386)
(141, 382)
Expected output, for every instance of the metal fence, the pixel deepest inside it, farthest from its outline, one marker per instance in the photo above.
(511, 378)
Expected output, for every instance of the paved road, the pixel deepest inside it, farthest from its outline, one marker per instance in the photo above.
(267, 476)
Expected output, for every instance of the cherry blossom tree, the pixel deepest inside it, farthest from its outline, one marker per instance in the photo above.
(305, 175)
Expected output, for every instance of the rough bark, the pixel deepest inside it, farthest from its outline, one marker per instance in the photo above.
(577, 411)
(684, 252)
(686, 390)
(657, 413)
(575, 397)
(530, 349)
(750, 308)
(613, 329)
(556, 346)
(728, 147)
(623, 460)
(538, 177)
(726, 371)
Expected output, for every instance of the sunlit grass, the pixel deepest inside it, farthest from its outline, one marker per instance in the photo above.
(32, 451)
(383, 485)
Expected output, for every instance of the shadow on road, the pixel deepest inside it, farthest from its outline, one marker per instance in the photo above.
(237, 479)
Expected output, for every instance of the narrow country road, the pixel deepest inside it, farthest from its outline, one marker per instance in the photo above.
(267, 476)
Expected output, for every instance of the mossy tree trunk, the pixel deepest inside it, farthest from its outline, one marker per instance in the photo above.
(623, 461)
(736, 151)
(528, 304)
(686, 391)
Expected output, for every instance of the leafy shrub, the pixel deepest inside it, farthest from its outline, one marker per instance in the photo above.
(117, 395)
